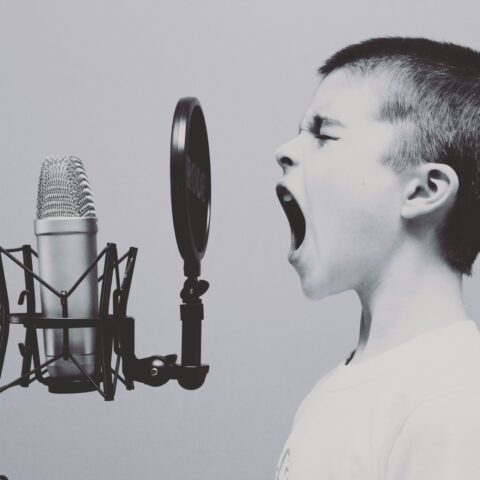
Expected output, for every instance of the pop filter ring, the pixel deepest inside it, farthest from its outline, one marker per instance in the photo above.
(190, 180)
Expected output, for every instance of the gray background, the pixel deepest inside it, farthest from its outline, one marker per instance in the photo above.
(100, 79)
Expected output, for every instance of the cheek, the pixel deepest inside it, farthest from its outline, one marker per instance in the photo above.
(351, 205)
(379, 198)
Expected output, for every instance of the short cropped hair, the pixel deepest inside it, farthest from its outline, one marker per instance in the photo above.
(433, 96)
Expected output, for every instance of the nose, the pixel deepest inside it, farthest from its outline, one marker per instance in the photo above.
(288, 155)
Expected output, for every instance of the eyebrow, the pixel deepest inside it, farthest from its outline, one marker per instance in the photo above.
(317, 121)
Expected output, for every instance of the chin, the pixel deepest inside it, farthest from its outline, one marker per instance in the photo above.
(315, 289)
(321, 285)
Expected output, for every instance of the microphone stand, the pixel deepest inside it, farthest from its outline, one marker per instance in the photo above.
(115, 332)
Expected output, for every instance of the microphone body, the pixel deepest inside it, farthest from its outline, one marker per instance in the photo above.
(66, 248)
(66, 230)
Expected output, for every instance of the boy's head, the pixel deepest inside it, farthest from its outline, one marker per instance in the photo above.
(387, 158)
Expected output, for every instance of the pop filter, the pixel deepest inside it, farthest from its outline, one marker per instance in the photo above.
(190, 183)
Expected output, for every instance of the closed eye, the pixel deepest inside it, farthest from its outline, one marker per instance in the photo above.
(314, 127)
(324, 138)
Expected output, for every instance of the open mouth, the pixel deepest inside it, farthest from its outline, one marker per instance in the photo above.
(294, 215)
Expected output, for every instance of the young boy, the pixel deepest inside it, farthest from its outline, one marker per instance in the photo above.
(382, 191)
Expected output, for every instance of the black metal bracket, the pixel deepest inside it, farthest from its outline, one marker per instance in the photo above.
(115, 332)
(157, 370)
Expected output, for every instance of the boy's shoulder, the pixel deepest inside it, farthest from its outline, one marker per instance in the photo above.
(449, 363)
(440, 380)
(434, 364)
(396, 407)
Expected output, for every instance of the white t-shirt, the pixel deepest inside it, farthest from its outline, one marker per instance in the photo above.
(410, 413)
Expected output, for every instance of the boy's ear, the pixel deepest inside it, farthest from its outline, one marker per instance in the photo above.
(430, 187)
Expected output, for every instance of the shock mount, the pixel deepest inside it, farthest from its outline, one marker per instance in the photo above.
(115, 331)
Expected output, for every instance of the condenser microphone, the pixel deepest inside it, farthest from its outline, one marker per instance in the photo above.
(66, 230)
(84, 317)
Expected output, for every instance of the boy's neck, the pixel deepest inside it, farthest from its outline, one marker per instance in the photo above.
(415, 294)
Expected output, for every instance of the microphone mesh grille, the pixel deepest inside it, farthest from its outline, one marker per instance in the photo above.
(63, 189)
